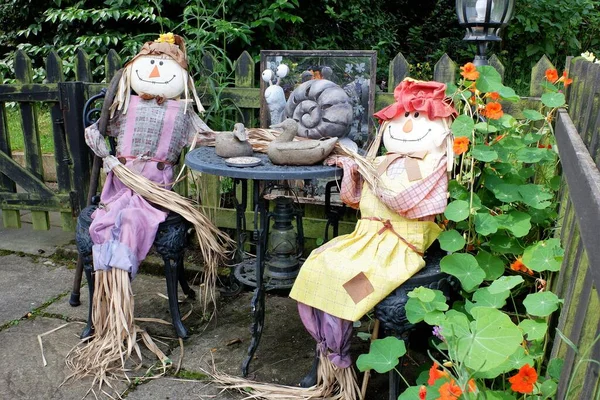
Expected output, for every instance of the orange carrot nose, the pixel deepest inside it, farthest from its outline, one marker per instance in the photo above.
(154, 73)
(408, 126)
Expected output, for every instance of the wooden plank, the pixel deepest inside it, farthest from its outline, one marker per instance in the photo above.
(538, 76)
(29, 92)
(584, 185)
(591, 350)
(27, 201)
(444, 70)
(112, 64)
(11, 219)
(244, 78)
(31, 136)
(54, 73)
(399, 69)
(25, 178)
(497, 64)
(6, 184)
(83, 71)
(68, 222)
(576, 88)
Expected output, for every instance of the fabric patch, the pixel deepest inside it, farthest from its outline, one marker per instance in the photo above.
(359, 287)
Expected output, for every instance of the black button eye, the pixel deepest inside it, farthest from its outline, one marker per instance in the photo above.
(151, 61)
(417, 114)
(160, 63)
(406, 114)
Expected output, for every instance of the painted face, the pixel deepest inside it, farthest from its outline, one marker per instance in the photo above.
(414, 132)
(158, 76)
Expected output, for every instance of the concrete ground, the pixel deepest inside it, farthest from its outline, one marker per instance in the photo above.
(36, 275)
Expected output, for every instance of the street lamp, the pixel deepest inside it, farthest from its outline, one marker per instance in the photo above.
(483, 20)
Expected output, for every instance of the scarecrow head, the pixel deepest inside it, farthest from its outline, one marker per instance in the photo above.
(159, 70)
(419, 120)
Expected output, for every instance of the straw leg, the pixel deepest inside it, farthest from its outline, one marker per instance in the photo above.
(89, 275)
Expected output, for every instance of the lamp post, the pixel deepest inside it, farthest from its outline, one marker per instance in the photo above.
(483, 20)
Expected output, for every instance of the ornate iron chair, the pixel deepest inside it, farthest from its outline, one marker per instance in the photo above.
(170, 240)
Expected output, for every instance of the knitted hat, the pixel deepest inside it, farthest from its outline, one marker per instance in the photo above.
(425, 97)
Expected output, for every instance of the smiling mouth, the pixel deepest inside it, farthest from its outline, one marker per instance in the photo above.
(407, 140)
(153, 82)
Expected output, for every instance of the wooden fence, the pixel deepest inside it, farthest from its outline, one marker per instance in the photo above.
(24, 188)
(578, 136)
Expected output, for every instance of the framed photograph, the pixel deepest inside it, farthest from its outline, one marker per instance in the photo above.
(353, 70)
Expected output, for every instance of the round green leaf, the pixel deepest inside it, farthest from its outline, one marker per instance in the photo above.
(457, 211)
(541, 304)
(533, 115)
(531, 154)
(505, 245)
(505, 283)
(543, 256)
(383, 355)
(489, 79)
(417, 310)
(555, 368)
(484, 298)
(508, 94)
(553, 100)
(487, 343)
(507, 192)
(519, 223)
(535, 330)
(514, 361)
(485, 127)
(491, 265)
(548, 389)
(451, 241)
(484, 153)
(485, 224)
(422, 293)
(465, 268)
(535, 196)
(463, 126)
(457, 191)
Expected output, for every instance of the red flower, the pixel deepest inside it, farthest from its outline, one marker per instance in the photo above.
(493, 110)
(524, 380)
(450, 391)
(461, 145)
(545, 146)
(469, 72)
(435, 373)
(494, 95)
(520, 267)
(422, 392)
(551, 75)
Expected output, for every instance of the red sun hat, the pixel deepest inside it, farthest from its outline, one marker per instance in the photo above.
(424, 97)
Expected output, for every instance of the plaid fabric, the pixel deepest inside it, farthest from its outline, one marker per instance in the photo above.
(158, 131)
(413, 200)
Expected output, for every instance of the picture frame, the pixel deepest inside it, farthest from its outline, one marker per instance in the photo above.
(353, 70)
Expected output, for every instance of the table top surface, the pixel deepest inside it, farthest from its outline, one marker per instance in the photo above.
(204, 159)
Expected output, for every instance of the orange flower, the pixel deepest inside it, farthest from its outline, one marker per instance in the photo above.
(469, 72)
(551, 75)
(450, 391)
(422, 392)
(435, 373)
(494, 95)
(461, 144)
(524, 380)
(498, 138)
(472, 385)
(545, 146)
(493, 110)
(520, 267)
(565, 79)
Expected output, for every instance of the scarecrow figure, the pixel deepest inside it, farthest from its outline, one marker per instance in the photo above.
(345, 278)
(151, 128)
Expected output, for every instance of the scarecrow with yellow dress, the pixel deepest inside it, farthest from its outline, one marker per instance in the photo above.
(345, 278)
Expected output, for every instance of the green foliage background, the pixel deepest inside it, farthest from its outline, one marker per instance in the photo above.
(422, 30)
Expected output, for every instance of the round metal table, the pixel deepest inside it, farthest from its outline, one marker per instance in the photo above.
(205, 160)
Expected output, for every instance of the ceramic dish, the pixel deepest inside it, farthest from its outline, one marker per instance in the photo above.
(243, 161)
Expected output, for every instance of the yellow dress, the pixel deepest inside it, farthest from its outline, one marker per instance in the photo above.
(331, 280)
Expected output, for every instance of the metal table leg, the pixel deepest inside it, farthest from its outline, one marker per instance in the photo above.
(258, 300)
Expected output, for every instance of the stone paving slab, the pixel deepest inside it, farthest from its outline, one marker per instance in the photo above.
(27, 283)
(23, 375)
(179, 389)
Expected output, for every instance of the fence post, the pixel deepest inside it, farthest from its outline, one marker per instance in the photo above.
(72, 99)
(10, 218)
(444, 71)
(62, 159)
(244, 77)
(498, 66)
(399, 68)
(31, 135)
(538, 76)
(83, 71)
(112, 64)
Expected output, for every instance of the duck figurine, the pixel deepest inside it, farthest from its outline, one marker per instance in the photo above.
(284, 151)
(233, 144)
